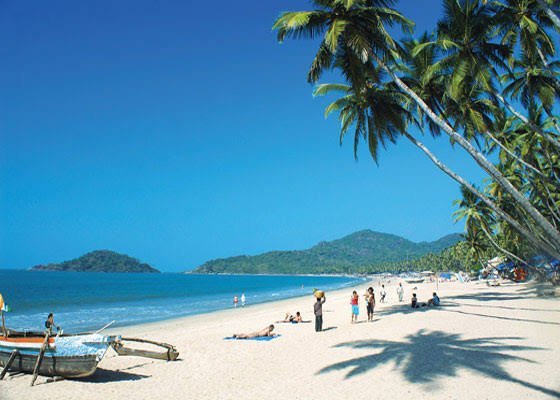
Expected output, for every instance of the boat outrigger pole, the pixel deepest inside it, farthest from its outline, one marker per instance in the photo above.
(170, 354)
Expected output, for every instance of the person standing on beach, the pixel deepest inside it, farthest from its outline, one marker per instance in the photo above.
(355, 308)
(370, 303)
(400, 292)
(318, 309)
(235, 301)
(242, 299)
(383, 293)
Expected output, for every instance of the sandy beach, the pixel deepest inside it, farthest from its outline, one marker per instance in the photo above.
(481, 343)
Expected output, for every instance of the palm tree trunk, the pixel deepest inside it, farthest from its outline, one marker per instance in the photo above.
(515, 157)
(500, 248)
(550, 13)
(524, 232)
(525, 120)
(545, 225)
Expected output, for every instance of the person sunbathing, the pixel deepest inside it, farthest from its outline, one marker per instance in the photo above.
(288, 318)
(262, 333)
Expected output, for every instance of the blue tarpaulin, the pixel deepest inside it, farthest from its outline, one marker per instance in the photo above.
(509, 264)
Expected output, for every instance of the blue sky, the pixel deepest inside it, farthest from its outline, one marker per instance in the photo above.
(180, 131)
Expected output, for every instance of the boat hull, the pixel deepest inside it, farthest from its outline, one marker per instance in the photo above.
(68, 367)
(69, 356)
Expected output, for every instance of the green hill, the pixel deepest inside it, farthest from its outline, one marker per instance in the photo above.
(349, 254)
(99, 261)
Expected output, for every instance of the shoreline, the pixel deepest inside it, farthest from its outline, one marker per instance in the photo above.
(224, 313)
(131, 300)
(481, 342)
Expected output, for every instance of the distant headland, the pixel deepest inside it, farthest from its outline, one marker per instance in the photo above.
(359, 252)
(99, 261)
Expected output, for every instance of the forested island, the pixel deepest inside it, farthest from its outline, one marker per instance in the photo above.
(360, 252)
(99, 261)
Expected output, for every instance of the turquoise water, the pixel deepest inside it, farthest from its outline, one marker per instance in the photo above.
(87, 301)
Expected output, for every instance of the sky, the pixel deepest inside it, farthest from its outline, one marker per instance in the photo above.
(178, 132)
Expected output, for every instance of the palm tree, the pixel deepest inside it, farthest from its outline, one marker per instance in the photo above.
(358, 28)
(523, 22)
(425, 80)
(478, 217)
(475, 247)
(531, 81)
(380, 105)
(545, 5)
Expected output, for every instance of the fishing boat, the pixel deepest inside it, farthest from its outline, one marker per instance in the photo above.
(415, 280)
(69, 356)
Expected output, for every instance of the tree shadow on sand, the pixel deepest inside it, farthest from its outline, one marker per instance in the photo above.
(489, 296)
(425, 357)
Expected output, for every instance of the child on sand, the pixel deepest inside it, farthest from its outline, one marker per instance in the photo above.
(355, 307)
(414, 301)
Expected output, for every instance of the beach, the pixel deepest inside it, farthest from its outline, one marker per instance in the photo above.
(481, 342)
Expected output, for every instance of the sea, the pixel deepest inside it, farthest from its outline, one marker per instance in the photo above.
(83, 302)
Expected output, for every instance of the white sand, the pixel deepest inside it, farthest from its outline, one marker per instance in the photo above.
(482, 343)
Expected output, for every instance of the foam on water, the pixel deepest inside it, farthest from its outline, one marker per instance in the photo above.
(87, 301)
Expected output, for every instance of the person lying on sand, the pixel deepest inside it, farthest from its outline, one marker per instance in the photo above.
(288, 318)
(263, 332)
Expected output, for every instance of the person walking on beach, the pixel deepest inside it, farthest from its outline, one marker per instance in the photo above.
(383, 293)
(242, 299)
(355, 308)
(318, 310)
(235, 301)
(370, 303)
(400, 292)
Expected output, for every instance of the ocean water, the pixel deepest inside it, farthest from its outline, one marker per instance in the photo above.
(87, 301)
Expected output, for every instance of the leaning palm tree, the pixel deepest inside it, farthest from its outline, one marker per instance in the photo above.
(358, 29)
(477, 217)
(377, 114)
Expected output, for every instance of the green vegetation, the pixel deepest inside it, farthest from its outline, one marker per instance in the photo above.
(458, 257)
(363, 251)
(99, 261)
(486, 77)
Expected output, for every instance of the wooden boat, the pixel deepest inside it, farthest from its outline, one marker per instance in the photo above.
(414, 280)
(69, 356)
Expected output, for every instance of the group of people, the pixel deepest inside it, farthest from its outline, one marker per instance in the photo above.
(236, 300)
(370, 301)
(434, 301)
(369, 297)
